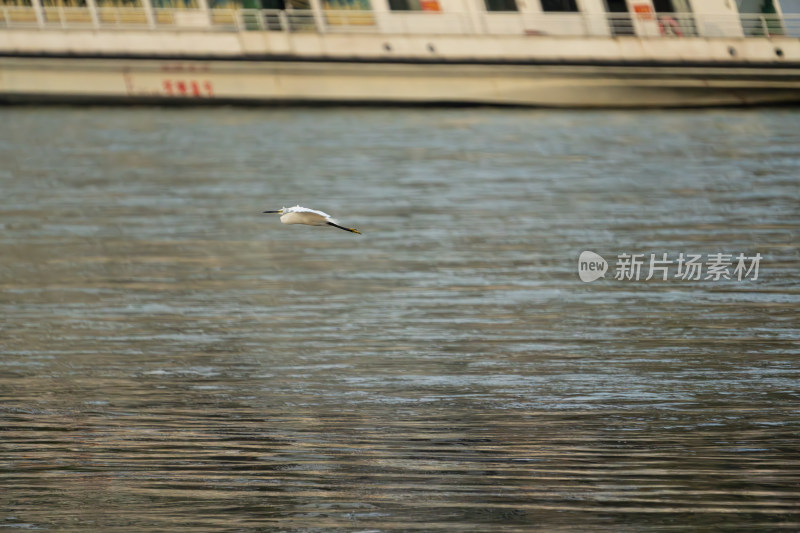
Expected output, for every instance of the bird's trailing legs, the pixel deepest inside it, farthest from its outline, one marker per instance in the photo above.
(351, 230)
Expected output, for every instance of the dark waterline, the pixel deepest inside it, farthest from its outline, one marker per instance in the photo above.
(173, 360)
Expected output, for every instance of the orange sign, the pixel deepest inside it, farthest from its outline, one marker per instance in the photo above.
(430, 5)
(643, 11)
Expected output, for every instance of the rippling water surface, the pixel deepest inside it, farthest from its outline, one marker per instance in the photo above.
(173, 360)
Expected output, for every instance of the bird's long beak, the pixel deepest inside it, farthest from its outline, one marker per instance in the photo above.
(278, 211)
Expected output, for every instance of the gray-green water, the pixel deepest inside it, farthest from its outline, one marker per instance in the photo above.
(173, 360)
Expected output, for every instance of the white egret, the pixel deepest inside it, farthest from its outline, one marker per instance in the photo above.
(309, 217)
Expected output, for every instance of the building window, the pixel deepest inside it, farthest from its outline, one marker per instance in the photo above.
(415, 5)
(501, 5)
(403, 5)
(559, 5)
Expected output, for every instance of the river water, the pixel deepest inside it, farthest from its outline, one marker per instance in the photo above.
(174, 360)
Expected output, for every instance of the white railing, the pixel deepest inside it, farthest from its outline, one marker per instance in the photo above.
(667, 25)
(755, 25)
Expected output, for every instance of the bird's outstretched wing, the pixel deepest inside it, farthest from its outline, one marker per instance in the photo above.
(298, 209)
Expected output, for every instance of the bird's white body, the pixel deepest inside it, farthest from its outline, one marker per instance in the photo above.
(304, 215)
(309, 217)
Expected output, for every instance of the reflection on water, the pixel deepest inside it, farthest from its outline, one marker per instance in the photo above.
(173, 360)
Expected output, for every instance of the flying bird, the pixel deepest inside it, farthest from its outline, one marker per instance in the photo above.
(309, 217)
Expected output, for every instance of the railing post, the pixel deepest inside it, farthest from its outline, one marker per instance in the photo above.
(319, 16)
(149, 14)
(476, 13)
(380, 10)
(38, 10)
(283, 18)
(91, 5)
(764, 26)
(203, 6)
